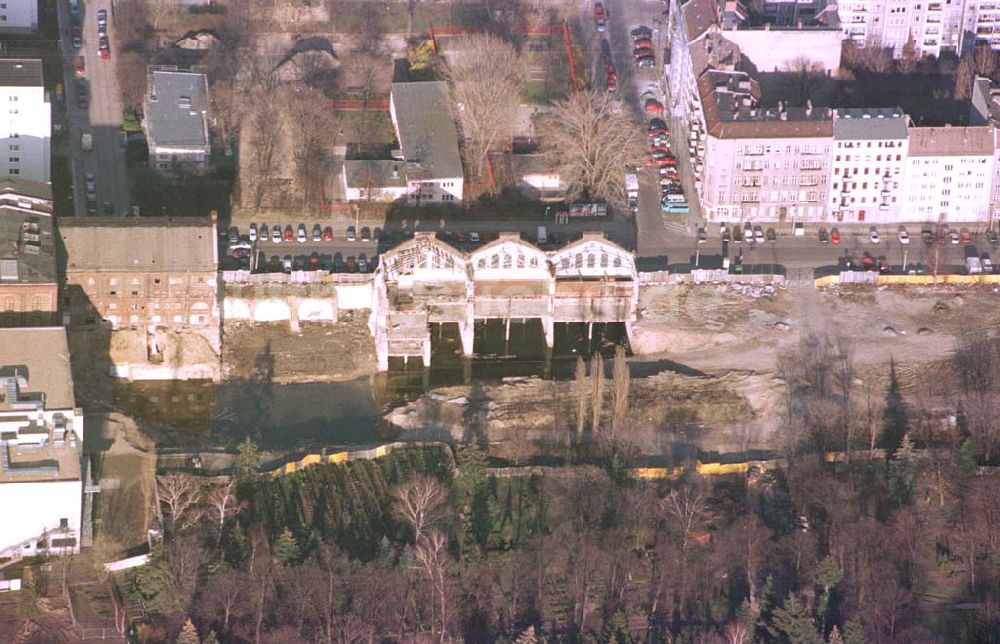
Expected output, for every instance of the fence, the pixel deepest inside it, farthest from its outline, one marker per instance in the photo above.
(358, 455)
(875, 279)
(698, 276)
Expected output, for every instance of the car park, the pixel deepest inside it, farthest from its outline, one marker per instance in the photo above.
(301, 234)
(873, 235)
(824, 237)
(904, 237)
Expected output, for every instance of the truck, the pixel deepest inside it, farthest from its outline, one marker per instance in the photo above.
(86, 141)
(631, 185)
(543, 236)
(973, 265)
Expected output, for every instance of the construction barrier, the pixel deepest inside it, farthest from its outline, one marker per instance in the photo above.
(342, 457)
(875, 279)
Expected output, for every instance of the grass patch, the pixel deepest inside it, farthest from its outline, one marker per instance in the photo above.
(349, 17)
(357, 125)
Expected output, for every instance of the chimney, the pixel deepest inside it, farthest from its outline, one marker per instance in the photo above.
(214, 216)
(809, 107)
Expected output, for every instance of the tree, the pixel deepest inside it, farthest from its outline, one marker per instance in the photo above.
(188, 634)
(313, 130)
(792, 621)
(106, 548)
(964, 77)
(895, 419)
(620, 385)
(984, 59)
(597, 377)
(594, 141)
(828, 575)
(223, 504)
(582, 395)
(180, 494)
(486, 75)
(902, 473)
(803, 78)
(169, 580)
(421, 503)
(27, 598)
(431, 559)
(908, 56)
(247, 461)
(130, 68)
(286, 548)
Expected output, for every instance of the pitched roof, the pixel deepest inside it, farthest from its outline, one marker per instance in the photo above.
(44, 352)
(733, 121)
(951, 141)
(175, 110)
(20, 72)
(858, 124)
(427, 133)
(139, 244)
(27, 245)
(699, 16)
(380, 172)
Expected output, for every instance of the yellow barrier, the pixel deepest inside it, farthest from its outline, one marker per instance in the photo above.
(337, 458)
(826, 280)
(720, 468)
(650, 473)
(917, 280)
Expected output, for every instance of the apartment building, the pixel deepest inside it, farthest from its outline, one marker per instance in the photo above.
(868, 163)
(949, 174)
(19, 17)
(25, 132)
(176, 122)
(763, 164)
(41, 441)
(141, 273)
(28, 281)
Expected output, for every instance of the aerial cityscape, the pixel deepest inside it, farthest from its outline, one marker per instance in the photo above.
(507, 321)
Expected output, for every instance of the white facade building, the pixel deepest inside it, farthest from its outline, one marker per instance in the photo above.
(869, 156)
(949, 171)
(41, 439)
(18, 17)
(176, 121)
(25, 133)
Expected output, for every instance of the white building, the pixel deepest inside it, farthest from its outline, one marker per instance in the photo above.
(949, 172)
(869, 157)
(41, 439)
(27, 127)
(175, 121)
(19, 17)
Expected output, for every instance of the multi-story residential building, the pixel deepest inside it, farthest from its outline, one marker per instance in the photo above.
(26, 131)
(41, 439)
(949, 174)
(28, 283)
(868, 160)
(142, 273)
(763, 164)
(19, 17)
(427, 167)
(176, 121)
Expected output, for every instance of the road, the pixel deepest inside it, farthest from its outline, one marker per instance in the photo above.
(102, 118)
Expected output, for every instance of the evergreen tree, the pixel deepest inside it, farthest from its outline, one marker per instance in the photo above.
(247, 461)
(210, 638)
(835, 636)
(853, 632)
(794, 624)
(967, 457)
(902, 473)
(188, 634)
(285, 548)
(27, 599)
(828, 576)
(616, 629)
(527, 636)
(894, 418)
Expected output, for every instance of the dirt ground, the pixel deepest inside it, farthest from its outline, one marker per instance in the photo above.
(321, 352)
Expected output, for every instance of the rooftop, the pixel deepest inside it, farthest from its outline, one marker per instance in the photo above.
(42, 355)
(426, 127)
(858, 124)
(185, 244)
(699, 16)
(46, 463)
(175, 109)
(729, 117)
(377, 173)
(20, 72)
(951, 141)
(27, 246)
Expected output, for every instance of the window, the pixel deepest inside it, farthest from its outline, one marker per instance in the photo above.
(15, 159)
(14, 171)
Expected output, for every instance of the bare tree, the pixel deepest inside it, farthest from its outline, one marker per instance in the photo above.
(965, 74)
(486, 75)
(594, 142)
(597, 377)
(803, 78)
(130, 67)
(158, 12)
(183, 557)
(223, 504)
(582, 393)
(421, 503)
(909, 57)
(430, 557)
(621, 383)
(180, 494)
(313, 129)
(984, 59)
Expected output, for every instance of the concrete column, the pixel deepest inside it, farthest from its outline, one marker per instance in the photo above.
(467, 331)
(628, 331)
(382, 348)
(549, 329)
(506, 329)
(427, 351)
(466, 371)
(293, 314)
(547, 372)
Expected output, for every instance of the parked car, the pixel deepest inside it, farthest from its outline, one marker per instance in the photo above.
(366, 234)
(738, 234)
(376, 234)
(234, 235)
(987, 263)
(653, 106)
(302, 236)
(612, 84)
(834, 236)
(646, 61)
(953, 236)
(965, 236)
(991, 235)
(362, 263)
(904, 237)
(314, 260)
(91, 186)
(289, 233)
(758, 234)
(317, 232)
(351, 264)
(253, 232)
(771, 235)
(702, 235)
(873, 235)
(79, 66)
(605, 50)
(351, 233)
(102, 20)
(474, 238)
(327, 234)
(641, 32)
(338, 263)
(824, 237)
(81, 94)
(927, 236)
(77, 38)
(600, 18)
(276, 234)
(263, 233)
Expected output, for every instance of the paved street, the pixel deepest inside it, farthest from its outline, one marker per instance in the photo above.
(102, 118)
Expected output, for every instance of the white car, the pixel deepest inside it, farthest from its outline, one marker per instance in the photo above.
(873, 235)
(302, 237)
(904, 237)
(253, 232)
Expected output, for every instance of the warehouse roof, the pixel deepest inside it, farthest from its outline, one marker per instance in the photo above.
(41, 355)
(139, 244)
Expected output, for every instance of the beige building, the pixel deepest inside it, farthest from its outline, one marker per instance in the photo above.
(949, 173)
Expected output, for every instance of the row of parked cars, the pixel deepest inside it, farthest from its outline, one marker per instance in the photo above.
(335, 263)
(276, 234)
(944, 235)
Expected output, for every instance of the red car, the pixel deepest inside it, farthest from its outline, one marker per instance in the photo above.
(599, 12)
(834, 236)
(79, 66)
(327, 234)
(105, 54)
(289, 233)
(653, 106)
(611, 71)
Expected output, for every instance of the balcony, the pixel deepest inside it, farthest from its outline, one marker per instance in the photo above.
(809, 181)
(934, 6)
(811, 165)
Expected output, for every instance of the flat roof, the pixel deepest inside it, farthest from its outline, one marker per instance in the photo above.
(151, 244)
(27, 244)
(20, 72)
(175, 109)
(42, 353)
(951, 141)
(49, 462)
(428, 137)
(860, 124)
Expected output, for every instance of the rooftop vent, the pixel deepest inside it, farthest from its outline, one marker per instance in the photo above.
(12, 380)
(8, 269)
(184, 102)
